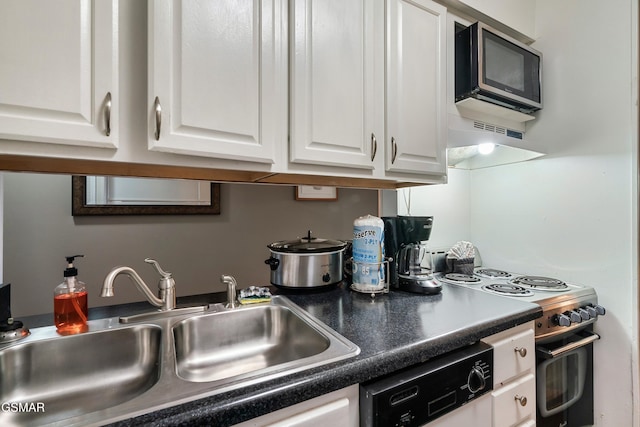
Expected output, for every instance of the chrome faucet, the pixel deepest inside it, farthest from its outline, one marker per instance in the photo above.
(230, 281)
(166, 285)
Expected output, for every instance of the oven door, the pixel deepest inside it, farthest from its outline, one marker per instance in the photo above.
(564, 373)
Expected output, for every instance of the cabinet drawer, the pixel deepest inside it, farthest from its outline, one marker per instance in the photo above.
(515, 402)
(514, 354)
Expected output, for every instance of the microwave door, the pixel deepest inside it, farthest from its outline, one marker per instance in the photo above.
(507, 69)
(493, 67)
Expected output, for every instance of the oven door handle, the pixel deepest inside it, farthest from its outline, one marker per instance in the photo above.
(548, 354)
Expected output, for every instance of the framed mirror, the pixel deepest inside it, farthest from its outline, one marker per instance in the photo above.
(99, 195)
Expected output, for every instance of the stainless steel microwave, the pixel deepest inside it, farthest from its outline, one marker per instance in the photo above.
(496, 68)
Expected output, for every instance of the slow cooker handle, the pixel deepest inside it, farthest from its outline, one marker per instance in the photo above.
(273, 263)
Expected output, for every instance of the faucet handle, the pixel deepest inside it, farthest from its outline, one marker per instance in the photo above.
(154, 263)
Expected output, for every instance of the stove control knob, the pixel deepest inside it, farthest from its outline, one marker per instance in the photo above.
(563, 320)
(599, 309)
(575, 316)
(583, 313)
(593, 313)
(475, 380)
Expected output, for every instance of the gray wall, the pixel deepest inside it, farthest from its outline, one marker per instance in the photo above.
(39, 231)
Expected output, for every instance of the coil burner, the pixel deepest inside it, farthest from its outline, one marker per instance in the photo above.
(508, 289)
(492, 273)
(540, 283)
(464, 279)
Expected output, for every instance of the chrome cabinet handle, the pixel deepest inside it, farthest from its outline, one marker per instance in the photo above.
(158, 110)
(521, 399)
(374, 146)
(521, 351)
(394, 150)
(107, 114)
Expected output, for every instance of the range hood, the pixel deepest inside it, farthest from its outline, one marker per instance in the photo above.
(484, 135)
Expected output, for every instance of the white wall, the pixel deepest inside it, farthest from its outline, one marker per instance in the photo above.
(39, 232)
(571, 214)
(447, 203)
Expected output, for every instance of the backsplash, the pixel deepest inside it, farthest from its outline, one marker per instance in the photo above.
(39, 231)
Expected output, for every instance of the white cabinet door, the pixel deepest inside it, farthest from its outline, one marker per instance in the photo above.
(333, 414)
(333, 67)
(59, 71)
(217, 78)
(515, 403)
(416, 87)
(336, 409)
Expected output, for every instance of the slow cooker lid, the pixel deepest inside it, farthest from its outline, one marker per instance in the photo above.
(307, 244)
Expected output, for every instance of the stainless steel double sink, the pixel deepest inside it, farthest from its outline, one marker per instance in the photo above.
(116, 371)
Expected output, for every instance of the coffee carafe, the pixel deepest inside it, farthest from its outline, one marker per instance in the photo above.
(406, 241)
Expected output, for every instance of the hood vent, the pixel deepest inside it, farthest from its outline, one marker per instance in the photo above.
(466, 135)
(489, 127)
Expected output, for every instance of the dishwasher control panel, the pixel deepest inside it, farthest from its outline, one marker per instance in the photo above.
(422, 393)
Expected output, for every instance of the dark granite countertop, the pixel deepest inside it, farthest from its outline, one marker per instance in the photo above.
(393, 331)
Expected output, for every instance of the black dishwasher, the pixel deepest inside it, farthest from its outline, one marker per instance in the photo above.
(422, 393)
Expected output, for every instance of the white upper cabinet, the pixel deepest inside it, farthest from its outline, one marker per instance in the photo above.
(217, 78)
(416, 87)
(332, 83)
(59, 72)
(350, 89)
(517, 14)
(367, 93)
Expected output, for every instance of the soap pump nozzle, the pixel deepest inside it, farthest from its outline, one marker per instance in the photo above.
(71, 271)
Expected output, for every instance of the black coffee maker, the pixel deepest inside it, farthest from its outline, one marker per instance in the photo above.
(404, 240)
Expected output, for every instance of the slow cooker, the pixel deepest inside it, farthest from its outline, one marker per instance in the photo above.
(306, 263)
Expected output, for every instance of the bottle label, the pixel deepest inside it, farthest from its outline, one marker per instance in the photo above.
(368, 254)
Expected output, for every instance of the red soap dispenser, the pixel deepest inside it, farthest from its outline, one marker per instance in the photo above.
(70, 302)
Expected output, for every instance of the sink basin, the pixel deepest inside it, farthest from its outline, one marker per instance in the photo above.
(115, 370)
(77, 374)
(252, 341)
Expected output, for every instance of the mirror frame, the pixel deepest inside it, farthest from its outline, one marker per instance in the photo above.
(79, 205)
